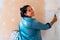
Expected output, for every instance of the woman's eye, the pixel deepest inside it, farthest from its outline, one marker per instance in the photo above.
(29, 10)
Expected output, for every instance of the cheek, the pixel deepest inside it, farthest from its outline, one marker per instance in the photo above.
(32, 13)
(29, 13)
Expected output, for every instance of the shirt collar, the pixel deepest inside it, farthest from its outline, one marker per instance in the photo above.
(28, 18)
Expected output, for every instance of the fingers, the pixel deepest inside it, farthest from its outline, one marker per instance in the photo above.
(55, 15)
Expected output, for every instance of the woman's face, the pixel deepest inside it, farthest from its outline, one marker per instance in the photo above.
(29, 12)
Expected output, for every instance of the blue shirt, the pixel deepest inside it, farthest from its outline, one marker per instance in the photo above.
(30, 28)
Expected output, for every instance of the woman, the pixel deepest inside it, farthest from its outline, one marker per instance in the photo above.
(29, 27)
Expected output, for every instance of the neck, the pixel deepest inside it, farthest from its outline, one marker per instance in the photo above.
(28, 16)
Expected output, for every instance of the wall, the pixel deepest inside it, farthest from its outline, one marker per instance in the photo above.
(52, 7)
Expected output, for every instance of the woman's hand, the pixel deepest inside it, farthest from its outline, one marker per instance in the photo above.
(54, 20)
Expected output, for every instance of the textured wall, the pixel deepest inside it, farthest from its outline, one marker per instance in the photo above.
(51, 9)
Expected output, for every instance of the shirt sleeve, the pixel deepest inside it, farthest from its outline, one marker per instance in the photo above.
(38, 25)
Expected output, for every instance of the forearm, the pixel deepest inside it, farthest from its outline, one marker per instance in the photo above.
(52, 22)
